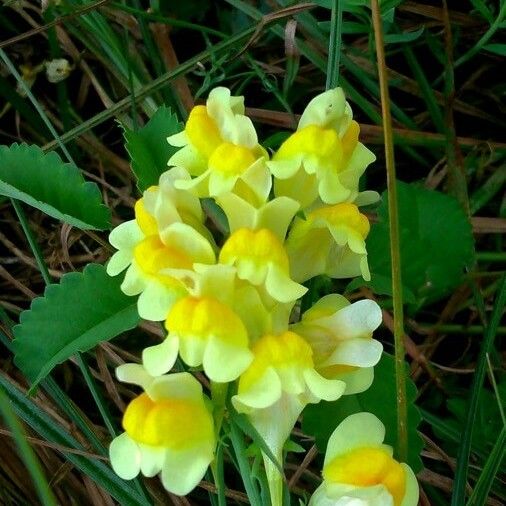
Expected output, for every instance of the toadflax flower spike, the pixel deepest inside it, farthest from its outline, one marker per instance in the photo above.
(168, 430)
(359, 469)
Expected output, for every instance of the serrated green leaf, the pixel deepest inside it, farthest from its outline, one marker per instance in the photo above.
(148, 147)
(320, 420)
(83, 310)
(436, 243)
(44, 181)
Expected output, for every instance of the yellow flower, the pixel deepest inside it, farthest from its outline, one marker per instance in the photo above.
(151, 254)
(274, 390)
(359, 469)
(205, 330)
(260, 258)
(275, 215)
(323, 158)
(168, 430)
(340, 335)
(331, 240)
(220, 146)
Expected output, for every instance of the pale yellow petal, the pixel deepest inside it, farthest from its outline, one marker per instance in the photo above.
(161, 358)
(125, 457)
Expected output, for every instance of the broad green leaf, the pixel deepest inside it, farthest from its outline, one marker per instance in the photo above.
(83, 310)
(320, 420)
(148, 147)
(44, 181)
(436, 243)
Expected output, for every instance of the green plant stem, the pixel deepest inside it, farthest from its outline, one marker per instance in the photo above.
(27, 454)
(274, 478)
(459, 484)
(97, 396)
(219, 393)
(218, 475)
(393, 216)
(39, 258)
(336, 23)
(236, 437)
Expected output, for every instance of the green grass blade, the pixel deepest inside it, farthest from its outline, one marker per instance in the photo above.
(152, 87)
(459, 486)
(336, 22)
(50, 431)
(27, 454)
(237, 440)
(484, 484)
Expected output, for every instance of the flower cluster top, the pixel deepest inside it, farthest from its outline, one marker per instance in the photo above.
(228, 302)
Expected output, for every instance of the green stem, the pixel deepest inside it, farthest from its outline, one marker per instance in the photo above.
(393, 215)
(39, 258)
(97, 396)
(218, 475)
(274, 478)
(219, 393)
(336, 23)
(236, 437)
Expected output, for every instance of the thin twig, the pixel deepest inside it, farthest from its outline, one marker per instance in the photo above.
(393, 217)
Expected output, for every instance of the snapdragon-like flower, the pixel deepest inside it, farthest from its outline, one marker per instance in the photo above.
(205, 330)
(359, 469)
(260, 258)
(156, 241)
(323, 158)
(168, 430)
(220, 147)
(331, 241)
(274, 390)
(340, 335)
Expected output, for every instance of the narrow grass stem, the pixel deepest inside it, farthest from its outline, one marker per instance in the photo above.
(336, 23)
(459, 484)
(39, 258)
(393, 215)
(27, 454)
(236, 437)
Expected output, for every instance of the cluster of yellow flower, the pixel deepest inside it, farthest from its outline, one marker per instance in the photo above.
(227, 307)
